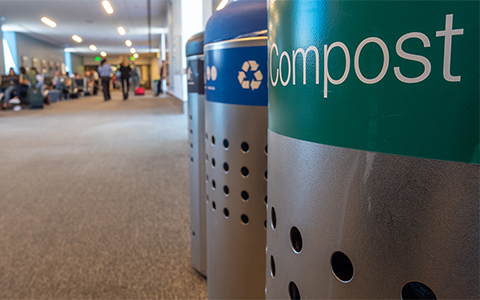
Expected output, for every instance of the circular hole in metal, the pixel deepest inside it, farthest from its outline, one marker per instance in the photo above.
(213, 162)
(293, 291)
(225, 144)
(193, 233)
(244, 219)
(214, 185)
(226, 212)
(272, 266)
(296, 239)
(191, 145)
(265, 199)
(226, 190)
(191, 131)
(274, 218)
(245, 172)
(245, 147)
(266, 175)
(213, 140)
(417, 290)
(226, 167)
(245, 196)
(342, 267)
(214, 205)
(265, 224)
(266, 149)
(191, 159)
(190, 117)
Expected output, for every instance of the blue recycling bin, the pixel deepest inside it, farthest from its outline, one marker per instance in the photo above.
(236, 149)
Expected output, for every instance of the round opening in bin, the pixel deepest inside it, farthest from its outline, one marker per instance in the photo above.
(226, 144)
(226, 190)
(191, 159)
(265, 199)
(266, 175)
(214, 205)
(265, 224)
(266, 150)
(226, 212)
(245, 172)
(213, 162)
(296, 239)
(213, 140)
(274, 218)
(214, 185)
(342, 267)
(245, 196)
(245, 147)
(272, 266)
(244, 219)
(226, 167)
(293, 291)
(417, 290)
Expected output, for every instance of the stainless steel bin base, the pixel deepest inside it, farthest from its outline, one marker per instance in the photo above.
(352, 224)
(236, 164)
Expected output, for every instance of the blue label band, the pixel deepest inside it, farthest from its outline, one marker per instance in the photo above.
(236, 75)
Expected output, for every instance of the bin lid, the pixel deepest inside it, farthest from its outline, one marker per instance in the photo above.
(195, 44)
(242, 18)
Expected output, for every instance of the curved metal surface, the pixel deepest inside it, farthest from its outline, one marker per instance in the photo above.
(237, 43)
(235, 250)
(196, 127)
(398, 219)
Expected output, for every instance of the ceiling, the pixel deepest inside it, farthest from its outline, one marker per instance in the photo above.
(88, 19)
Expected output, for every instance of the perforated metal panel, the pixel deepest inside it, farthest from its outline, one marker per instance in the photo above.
(196, 127)
(353, 224)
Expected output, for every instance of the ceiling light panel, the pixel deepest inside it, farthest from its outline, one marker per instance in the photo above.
(135, 55)
(103, 53)
(93, 47)
(222, 4)
(128, 43)
(132, 50)
(76, 38)
(48, 22)
(121, 30)
(108, 7)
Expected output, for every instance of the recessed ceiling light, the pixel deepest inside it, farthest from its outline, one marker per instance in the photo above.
(108, 7)
(48, 22)
(135, 55)
(76, 38)
(222, 5)
(132, 50)
(93, 48)
(103, 53)
(121, 30)
(128, 43)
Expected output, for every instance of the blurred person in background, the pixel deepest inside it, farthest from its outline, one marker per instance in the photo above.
(105, 70)
(163, 72)
(125, 73)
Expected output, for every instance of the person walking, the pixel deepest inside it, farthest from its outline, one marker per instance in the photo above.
(163, 71)
(105, 70)
(125, 73)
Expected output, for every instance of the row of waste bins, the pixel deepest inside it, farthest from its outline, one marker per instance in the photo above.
(371, 115)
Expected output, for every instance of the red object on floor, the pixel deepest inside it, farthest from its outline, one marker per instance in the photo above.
(140, 91)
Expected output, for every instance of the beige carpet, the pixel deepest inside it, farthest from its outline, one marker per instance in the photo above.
(94, 201)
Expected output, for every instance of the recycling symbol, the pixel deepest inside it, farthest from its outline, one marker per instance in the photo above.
(250, 66)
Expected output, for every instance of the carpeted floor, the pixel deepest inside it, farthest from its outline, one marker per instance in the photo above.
(94, 201)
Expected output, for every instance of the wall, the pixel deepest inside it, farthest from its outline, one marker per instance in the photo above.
(2, 64)
(78, 65)
(34, 48)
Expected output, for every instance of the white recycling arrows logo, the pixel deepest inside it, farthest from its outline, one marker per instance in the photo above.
(250, 66)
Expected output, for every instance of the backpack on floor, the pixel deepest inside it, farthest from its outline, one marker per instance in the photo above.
(140, 91)
(35, 98)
